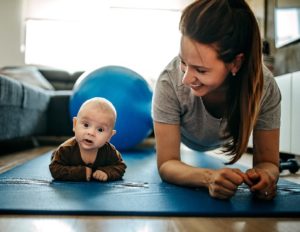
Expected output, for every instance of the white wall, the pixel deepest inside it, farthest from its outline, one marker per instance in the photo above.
(11, 34)
(12, 26)
(289, 85)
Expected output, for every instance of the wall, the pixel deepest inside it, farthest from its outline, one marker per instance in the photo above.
(149, 12)
(287, 59)
(258, 7)
(11, 33)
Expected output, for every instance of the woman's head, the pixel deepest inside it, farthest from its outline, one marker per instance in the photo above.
(230, 28)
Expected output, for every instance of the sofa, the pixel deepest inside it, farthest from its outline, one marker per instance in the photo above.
(34, 104)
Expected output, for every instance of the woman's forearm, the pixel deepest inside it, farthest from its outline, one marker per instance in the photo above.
(176, 172)
(221, 183)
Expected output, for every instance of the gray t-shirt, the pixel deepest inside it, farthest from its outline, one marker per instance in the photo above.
(174, 103)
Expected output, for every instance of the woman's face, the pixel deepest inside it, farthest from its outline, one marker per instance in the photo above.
(203, 71)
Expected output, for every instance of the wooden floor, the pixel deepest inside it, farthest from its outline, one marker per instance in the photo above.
(33, 223)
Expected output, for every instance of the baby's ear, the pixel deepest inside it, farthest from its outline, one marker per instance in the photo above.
(113, 132)
(74, 123)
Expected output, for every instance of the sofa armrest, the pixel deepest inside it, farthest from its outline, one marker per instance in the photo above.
(59, 119)
(23, 109)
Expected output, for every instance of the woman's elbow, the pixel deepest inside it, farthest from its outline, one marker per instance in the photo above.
(163, 171)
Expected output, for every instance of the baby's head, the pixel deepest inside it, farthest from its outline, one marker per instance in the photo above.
(99, 105)
(94, 124)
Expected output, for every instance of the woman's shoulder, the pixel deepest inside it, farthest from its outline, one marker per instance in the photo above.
(269, 81)
(172, 68)
(173, 64)
(268, 75)
(171, 72)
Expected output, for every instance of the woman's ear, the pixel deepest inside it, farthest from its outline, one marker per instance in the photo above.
(237, 63)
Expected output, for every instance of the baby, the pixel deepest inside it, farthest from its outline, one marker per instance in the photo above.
(89, 154)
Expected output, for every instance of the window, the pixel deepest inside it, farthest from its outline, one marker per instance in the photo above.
(287, 26)
(101, 33)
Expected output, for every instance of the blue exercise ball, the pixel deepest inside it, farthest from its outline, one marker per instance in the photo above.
(128, 91)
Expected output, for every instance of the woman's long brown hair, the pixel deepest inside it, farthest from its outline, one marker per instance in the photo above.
(230, 27)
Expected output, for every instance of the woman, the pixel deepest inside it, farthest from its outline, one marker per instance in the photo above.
(214, 94)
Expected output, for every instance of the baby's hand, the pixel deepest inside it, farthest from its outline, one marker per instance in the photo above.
(100, 175)
(88, 172)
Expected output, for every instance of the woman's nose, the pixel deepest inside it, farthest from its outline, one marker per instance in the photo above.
(188, 76)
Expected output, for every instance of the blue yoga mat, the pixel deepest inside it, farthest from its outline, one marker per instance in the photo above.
(30, 189)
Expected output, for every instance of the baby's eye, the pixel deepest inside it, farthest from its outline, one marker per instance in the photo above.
(85, 125)
(100, 130)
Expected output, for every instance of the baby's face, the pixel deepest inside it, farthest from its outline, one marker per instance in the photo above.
(93, 128)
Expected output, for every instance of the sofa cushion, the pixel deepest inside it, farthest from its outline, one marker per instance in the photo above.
(60, 79)
(27, 74)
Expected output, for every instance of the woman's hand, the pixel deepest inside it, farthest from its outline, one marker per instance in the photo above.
(265, 172)
(100, 175)
(264, 184)
(224, 182)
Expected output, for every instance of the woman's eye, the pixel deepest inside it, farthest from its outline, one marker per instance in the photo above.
(100, 129)
(201, 71)
(182, 66)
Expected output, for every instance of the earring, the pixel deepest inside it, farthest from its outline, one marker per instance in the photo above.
(233, 73)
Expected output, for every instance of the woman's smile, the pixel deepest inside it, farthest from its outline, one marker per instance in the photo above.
(196, 86)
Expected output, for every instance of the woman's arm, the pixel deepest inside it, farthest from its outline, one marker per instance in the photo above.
(221, 183)
(170, 167)
(265, 171)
